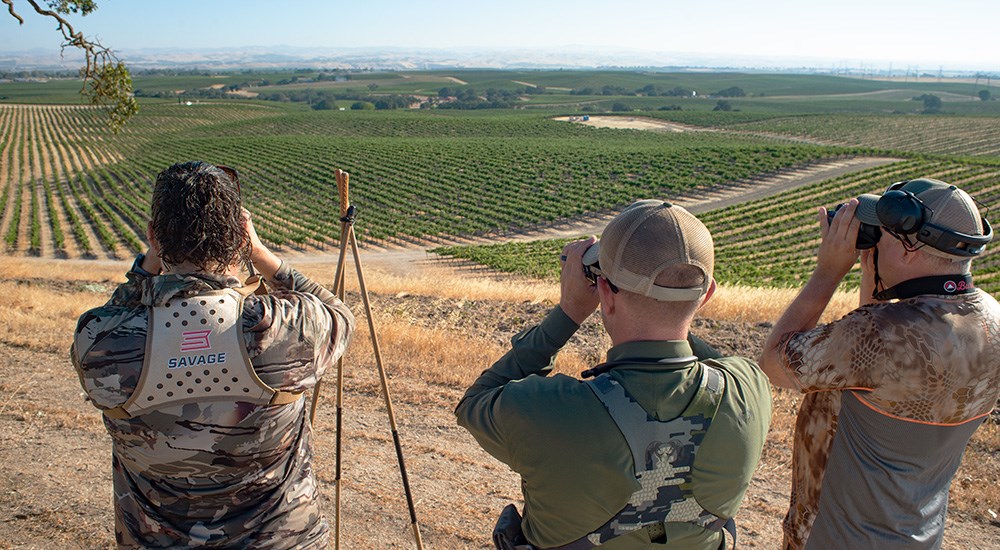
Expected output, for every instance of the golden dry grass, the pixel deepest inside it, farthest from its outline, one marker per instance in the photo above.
(759, 305)
(39, 318)
(62, 270)
(437, 355)
(730, 303)
(439, 282)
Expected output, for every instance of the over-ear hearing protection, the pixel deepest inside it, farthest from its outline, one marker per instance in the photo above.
(900, 211)
(903, 213)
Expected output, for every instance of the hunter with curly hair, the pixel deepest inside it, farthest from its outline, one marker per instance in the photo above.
(200, 377)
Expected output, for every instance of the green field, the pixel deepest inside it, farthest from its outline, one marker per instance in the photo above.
(416, 174)
(775, 92)
(70, 188)
(772, 242)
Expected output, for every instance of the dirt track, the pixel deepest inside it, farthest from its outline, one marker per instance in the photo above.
(407, 260)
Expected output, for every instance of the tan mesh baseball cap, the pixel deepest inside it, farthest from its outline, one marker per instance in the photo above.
(648, 237)
(949, 208)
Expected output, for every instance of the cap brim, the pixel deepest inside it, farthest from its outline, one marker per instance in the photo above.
(593, 254)
(866, 211)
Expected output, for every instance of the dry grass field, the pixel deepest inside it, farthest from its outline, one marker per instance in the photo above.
(438, 327)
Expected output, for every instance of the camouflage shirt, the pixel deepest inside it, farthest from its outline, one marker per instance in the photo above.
(931, 361)
(223, 473)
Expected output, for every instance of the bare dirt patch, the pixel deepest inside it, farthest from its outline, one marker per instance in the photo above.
(629, 122)
(633, 123)
(243, 94)
(530, 85)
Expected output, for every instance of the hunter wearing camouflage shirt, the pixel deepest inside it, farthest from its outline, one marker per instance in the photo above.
(220, 472)
(919, 414)
(896, 388)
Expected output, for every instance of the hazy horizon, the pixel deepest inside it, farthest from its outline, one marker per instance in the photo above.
(920, 35)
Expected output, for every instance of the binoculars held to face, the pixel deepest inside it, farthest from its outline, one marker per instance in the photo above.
(868, 235)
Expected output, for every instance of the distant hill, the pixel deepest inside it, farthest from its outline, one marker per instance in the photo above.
(574, 57)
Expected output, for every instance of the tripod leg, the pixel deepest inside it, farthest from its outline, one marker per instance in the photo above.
(385, 388)
(338, 289)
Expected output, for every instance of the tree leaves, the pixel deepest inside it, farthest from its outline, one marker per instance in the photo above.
(106, 80)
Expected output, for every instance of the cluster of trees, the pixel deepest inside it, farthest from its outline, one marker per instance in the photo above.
(304, 95)
(609, 90)
(392, 101)
(366, 102)
(932, 103)
(21, 75)
(651, 90)
(732, 91)
(621, 107)
(197, 93)
(457, 93)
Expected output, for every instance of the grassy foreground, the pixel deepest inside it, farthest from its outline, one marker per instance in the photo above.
(443, 328)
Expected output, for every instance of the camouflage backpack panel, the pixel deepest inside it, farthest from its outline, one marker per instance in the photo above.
(663, 454)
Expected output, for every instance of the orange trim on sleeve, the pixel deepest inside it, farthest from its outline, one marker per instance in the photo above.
(890, 415)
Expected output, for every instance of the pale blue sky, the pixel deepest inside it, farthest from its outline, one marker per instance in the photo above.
(929, 33)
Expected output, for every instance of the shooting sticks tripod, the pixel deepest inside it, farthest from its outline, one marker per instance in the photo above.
(347, 213)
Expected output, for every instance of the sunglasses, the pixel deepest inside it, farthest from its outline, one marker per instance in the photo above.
(593, 272)
(908, 244)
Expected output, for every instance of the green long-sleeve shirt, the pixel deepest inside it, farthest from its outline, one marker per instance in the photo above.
(576, 466)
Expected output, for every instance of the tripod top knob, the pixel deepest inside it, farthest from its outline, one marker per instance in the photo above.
(343, 184)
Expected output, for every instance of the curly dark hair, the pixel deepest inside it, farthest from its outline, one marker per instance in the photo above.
(197, 216)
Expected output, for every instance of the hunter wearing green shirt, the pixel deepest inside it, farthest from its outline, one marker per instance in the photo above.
(658, 449)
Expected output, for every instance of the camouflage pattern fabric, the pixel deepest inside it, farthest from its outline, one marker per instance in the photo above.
(663, 455)
(221, 474)
(815, 426)
(928, 359)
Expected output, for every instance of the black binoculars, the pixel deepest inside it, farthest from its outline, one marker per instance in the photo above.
(868, 235)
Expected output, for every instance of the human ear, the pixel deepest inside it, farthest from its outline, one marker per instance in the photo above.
(606, 295)
(708, 295)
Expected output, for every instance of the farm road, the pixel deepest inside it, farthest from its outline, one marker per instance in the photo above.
(414, 258)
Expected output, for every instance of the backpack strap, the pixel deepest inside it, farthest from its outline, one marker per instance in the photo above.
(663, 454)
